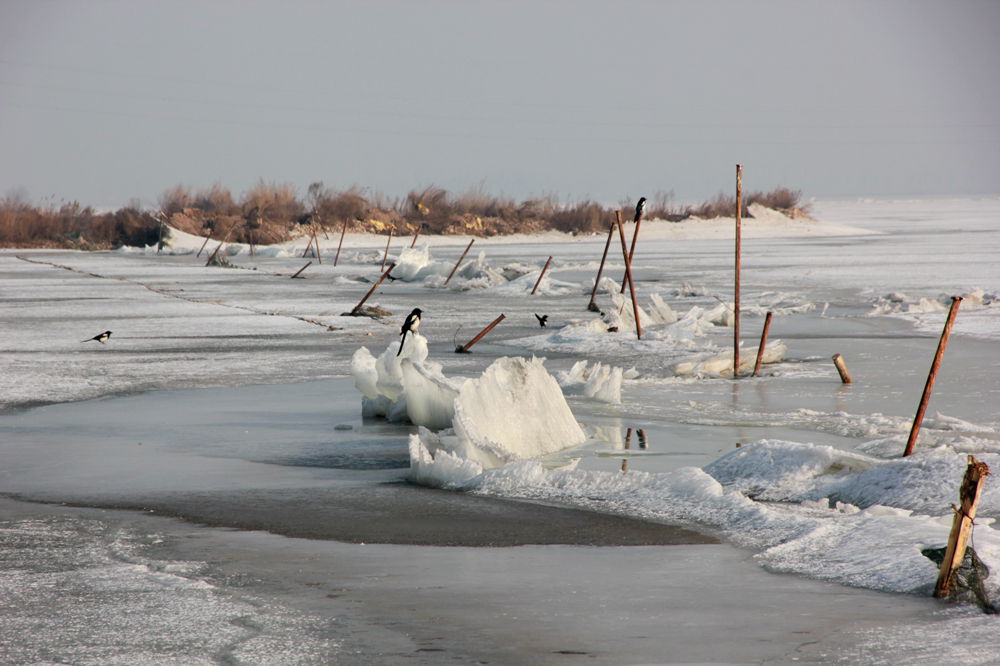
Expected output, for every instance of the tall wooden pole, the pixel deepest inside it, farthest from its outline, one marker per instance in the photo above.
(736, 297)
(460, 260)
(341, 243)
(415, 237)
(592, 306)
(319, 254)
(541, 275)
(628, 277)
(929, 386)
(631, 252)
(763, 342)
(969, 493)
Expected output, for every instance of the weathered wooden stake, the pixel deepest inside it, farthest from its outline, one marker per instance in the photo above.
(221, 243)
(961, 528)
(628, 277)
(763, 342)
(468, 345)
(460, 260)
(385, 257)
(319, 254)
(624, 465)
(341, 243)
(736, 298)
(631, 252)
(541, 275)
(592, 306)
(416, 235)
(929, 386)
(838, 361)
(250, 236)
(207, 238)
(642, 438)
(372, 290)
(628, 439)
(301, 269)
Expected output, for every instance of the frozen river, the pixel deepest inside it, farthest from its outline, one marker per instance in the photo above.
(203, 489)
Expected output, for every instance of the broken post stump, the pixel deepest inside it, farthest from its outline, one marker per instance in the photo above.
(838, 361)
(541, 275)
(763, 343)
(929, 386)
(357, 308)
(968, 493)
(468, 345)
(460, 260)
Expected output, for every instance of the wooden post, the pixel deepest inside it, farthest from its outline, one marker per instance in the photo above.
(468, 345)
(592, 306)
(207, 238)
(624, 465)
(628, 277)
(415, 237)
(385, 257)
(628, 439)
(460, 260)
(250, 236)
(221, 243)
(631, 252)
(319, 254)
(838, 361)
(961, 528)
(301, 269)
(541, 275)
(642, 438)
(159, 242)
(340, 244)
(763, 342)
(372, 290)
(736, 298)
(929, 386)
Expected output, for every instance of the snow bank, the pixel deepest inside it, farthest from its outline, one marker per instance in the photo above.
(514, 411)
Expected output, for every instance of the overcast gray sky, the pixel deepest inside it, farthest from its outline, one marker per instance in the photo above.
(104, 102)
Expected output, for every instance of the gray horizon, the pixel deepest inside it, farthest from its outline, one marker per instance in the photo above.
(116, 101)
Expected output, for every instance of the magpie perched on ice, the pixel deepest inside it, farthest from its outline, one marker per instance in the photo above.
(544, 319)
(101, 337)
(412, 323)
(639, 209)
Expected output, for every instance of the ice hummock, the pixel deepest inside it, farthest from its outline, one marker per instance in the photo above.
(514, 411)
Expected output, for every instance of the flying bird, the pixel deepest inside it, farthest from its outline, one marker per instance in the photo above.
(100, 337)
(639, 209)
(544, 319)
(412, 323)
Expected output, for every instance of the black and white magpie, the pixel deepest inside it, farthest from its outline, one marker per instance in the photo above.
(544, 319)
(639, 209)
(412, 323)
(100, 337)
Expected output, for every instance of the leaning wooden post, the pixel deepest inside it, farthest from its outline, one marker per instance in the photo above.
(416, 235)
(628, 277)
(372, 290)
(631, 252)
(541, 275)
(301, 269)
(763, 342)
(961, 528)
(221, 243)
(592, 306)
(319, 254)
(838, 361)
(341, 243)
(929, 386)
(460, 260)
(385, 257)
(736, 290)
(468, 345)
(207, 238)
